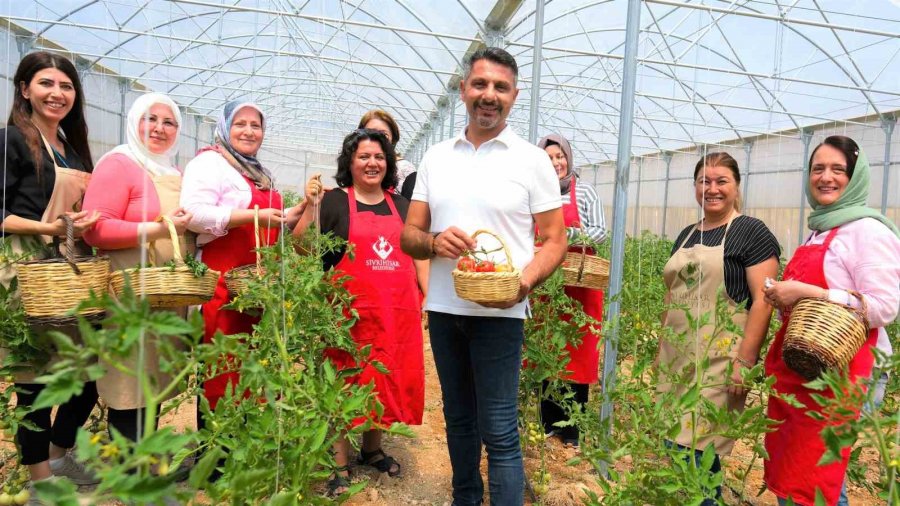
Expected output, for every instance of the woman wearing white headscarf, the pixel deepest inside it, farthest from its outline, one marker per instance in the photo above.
(133, 186)
(222, 185)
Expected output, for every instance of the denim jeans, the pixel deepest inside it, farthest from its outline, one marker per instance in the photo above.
(478, 360)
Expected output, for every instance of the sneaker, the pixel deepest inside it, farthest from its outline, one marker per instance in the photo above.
(69, 468)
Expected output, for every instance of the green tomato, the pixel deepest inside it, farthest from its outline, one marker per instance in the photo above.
(6, 499)
(22, 497)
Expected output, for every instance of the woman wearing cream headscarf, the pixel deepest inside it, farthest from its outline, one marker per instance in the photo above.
(132, 187)
(852, 247)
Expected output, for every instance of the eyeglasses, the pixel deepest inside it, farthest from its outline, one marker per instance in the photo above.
(153, 121)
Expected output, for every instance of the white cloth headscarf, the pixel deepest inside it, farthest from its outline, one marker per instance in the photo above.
(134, 147)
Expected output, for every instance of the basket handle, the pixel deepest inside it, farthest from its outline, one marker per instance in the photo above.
(864, 313)
(581, 264)
(495, 236)
(173, 235)
(70, 243)
(256, 237)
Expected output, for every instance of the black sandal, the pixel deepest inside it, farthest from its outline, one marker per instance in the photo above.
(379, 460)
(339, 482)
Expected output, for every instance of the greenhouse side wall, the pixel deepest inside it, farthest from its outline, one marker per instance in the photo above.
(771, 188)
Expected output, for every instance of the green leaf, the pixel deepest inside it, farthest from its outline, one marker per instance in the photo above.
(57, 492)
(820, 498)
(203, 469)
(60, 387)
(319, 438)
(247, 479)
(832, 447)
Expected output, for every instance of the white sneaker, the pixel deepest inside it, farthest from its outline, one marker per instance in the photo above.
(69, 468)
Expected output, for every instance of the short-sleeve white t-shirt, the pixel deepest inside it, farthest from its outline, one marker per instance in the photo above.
(497, 187)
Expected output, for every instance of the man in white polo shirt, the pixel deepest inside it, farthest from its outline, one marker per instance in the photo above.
(485, 178)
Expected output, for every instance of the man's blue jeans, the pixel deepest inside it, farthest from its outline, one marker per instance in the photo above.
(478, 360)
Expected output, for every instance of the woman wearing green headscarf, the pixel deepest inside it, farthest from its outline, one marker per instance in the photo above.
(852, 247)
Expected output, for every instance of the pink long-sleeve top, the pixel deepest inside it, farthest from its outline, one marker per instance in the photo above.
(123, 194)
(865, 256)
(210, 190)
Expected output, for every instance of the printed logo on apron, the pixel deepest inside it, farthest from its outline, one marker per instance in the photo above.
(383, 248)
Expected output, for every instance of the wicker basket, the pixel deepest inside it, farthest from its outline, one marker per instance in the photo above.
(237, 279)
(584, 270)
(167, 287)
(53, 287)
(822, 334)
(488, 286)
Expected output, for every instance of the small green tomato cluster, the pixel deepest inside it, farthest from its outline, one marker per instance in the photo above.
(14, 491)
(535, 433)
(540, 482)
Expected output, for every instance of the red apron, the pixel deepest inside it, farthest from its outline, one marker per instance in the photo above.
(796, 446)
(382, 280)
(584, 361)
(234, 249)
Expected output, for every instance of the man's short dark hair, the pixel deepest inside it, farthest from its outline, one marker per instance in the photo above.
(492, 54)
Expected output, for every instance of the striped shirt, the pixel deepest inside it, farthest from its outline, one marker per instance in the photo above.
(590, 213)
(749, 243)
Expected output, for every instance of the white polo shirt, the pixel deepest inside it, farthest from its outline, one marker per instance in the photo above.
(497, 187)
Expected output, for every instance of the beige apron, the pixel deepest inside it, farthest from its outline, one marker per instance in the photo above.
(695, 277)
(67, 195)
(118, 389)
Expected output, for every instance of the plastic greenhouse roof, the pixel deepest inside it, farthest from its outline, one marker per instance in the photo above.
(707, 71)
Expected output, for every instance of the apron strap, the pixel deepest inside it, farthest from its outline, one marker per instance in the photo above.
(691, 232)
(52, 152)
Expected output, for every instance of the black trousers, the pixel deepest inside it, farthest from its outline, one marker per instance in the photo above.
(34, 446)
(552, 412)
(127, 421)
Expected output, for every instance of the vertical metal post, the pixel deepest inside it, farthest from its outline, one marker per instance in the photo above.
(441, 119)
(887, 124)
(637, 200)
(305, 170)
(748, 148)
(620, 206)
(197, 122)
(123, 91)
(805, 138)
(536, 71)
(667, 157)
(453, 96)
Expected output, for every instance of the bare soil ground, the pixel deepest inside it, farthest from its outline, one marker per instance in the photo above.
(425, 479)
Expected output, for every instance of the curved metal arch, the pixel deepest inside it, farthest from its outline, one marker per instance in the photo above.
(372, 46)
(672, 116)
(402, 108)
(724, 57)
(66, 15)
(830, 57)
(754, 81)
(235, 59)
(550, 20)
(401, 37)
(622, 29)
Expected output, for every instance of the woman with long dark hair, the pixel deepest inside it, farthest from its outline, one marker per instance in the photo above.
(47, 165)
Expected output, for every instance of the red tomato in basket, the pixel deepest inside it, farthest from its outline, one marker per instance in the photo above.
(486, 266)
(466, 264)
